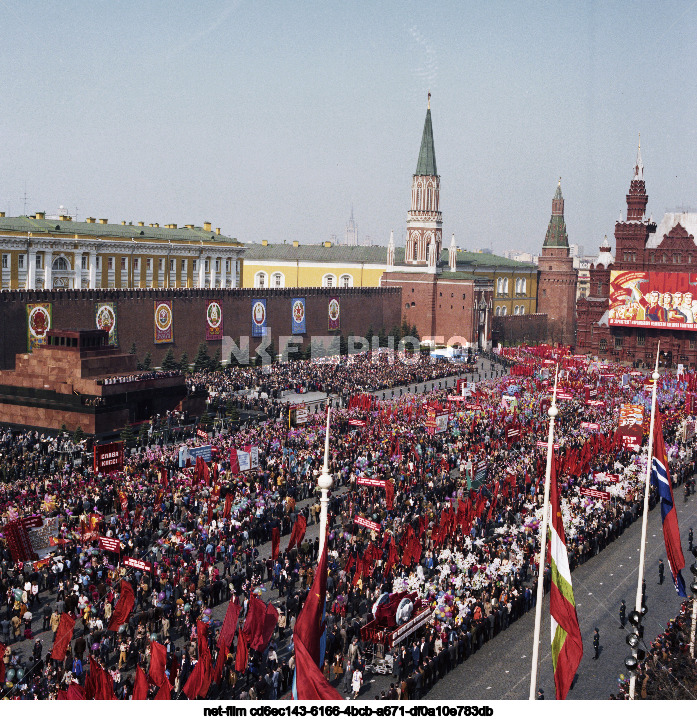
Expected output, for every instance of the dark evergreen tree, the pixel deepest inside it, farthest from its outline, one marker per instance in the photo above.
(128, 437)
(168, 362)
(147, 362)
(184, 362)
(133, 348)
(202, 360)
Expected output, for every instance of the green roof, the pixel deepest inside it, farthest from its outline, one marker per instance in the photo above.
(427, 155)
(376, 254)
(26, 224)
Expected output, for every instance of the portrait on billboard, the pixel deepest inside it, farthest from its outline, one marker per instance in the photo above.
(653, 300)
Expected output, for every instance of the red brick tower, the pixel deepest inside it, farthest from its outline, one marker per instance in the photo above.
(556, 285)
(631, 235)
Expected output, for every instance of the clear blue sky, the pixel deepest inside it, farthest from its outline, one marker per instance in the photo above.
(270, 119)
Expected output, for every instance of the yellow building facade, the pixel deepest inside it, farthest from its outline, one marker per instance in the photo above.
(37, 252)
(293, 265)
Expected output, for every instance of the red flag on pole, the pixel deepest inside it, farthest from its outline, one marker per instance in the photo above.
(158, 663)
(124, 606)
(140, 687)
(64, 634)
(275, 542)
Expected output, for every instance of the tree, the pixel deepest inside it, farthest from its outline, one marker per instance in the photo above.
(396, 334)
(168, 362)
(184, 362)
(203, 360)
(78, 435)
(128, 437)
(369, 336)
(382, 335)
(143, 436)
(133, 348)
(414, 331)
(205, 421)
(216, 363)
(147, 362)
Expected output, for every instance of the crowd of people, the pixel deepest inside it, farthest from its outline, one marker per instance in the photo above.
(459, 537)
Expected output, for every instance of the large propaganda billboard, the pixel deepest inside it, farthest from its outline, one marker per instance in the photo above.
(653, 300)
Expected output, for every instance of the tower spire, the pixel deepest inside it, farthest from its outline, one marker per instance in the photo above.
(639, 167)
(556, 232)
(427, 154)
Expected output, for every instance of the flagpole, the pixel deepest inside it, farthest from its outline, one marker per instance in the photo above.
(324, 483)
(644, 525)
(552, 413)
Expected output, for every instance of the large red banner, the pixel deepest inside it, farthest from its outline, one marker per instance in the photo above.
(108, 457)
(653, 300)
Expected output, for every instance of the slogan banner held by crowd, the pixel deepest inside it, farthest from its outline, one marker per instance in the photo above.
(110, 544)
(594, 493)
(191, 454)
(137, 564)
(377, 482)
(108, 457)
(368, 524)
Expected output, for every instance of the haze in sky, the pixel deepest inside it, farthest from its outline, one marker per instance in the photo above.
(271, 119)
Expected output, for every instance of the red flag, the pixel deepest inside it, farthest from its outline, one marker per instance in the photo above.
(165, 692)
(140, 687)
(227, 632)
(270, 623)
(389, 494)
(298, 532)
(199, 681)
(64, 634)
(98, 684)
(275, 542)
(254, 623)
(309, 625)
(158, 663)
(204, 655)
(75, 692)
(309, 681)
(392, 557)
(2, 662)
(124, 606)
(228, 505)
(220, 662)
(234, 463)
(242, 655)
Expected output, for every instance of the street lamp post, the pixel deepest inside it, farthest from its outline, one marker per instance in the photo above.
(324, 483)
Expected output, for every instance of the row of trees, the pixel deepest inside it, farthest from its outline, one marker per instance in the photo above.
(316, 348)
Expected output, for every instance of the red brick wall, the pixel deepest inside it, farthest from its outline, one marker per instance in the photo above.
(361, 308)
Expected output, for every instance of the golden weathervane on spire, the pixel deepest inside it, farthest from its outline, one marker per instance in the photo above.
(429, 99)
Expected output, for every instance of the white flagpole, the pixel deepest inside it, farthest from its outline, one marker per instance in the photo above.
(552, 413)
(644, 525)
(324, 482)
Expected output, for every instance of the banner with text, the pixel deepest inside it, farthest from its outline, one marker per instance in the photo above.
(108, 457)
